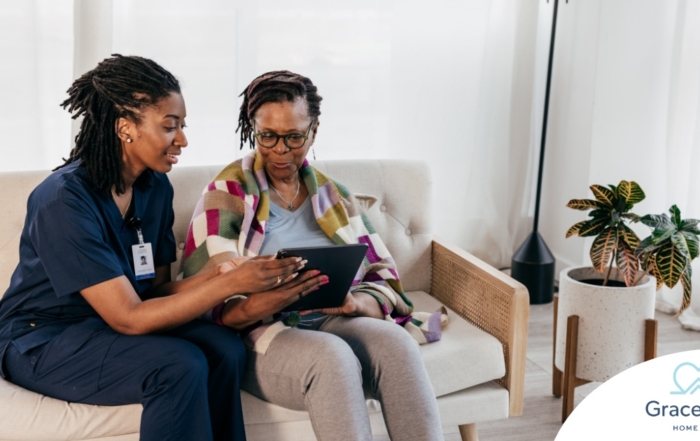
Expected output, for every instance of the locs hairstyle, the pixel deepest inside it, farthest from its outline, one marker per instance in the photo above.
(119, 87)
(275, 87)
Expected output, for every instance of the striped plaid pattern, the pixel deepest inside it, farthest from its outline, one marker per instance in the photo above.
(230, 220)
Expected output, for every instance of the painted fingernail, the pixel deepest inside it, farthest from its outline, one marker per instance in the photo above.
(298, 259)
(315, 272)
(324, 280)
(316, 289)
(294, 275)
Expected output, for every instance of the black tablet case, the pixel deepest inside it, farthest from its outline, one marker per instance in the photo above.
(339, 262)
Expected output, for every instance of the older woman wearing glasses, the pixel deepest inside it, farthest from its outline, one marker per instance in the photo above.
(322, 362)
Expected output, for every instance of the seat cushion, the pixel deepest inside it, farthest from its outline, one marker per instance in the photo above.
(464, 357)
(26, 415)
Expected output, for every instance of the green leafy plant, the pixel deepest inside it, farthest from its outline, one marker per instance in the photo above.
(615, 242)
(667, 253)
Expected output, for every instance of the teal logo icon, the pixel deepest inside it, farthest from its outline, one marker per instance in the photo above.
(687, 379)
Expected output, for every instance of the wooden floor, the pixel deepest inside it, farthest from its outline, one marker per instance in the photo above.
(541, 418)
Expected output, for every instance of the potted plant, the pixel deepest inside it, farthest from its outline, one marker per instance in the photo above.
(668, 252)
(614, 298)
(615, 241)
(610, 298)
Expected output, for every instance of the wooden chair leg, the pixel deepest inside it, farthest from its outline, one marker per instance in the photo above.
(468, 432)
(556, 373)
(651, 331)
(570, 367)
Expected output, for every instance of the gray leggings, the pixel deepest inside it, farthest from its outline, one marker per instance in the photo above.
(326, 372)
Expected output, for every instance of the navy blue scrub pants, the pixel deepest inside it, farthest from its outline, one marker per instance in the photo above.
(187, 379)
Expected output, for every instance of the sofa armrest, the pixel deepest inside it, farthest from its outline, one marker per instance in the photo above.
(491, 301)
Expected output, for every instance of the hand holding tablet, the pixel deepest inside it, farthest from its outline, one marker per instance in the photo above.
(339, 262)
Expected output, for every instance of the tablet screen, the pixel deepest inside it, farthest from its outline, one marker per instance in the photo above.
(339, 262)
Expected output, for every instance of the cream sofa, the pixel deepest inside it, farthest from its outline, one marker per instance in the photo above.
(477, 369)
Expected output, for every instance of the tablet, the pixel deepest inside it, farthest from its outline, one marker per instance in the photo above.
(339, 262)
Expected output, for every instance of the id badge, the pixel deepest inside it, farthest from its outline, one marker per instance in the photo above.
(143, 261)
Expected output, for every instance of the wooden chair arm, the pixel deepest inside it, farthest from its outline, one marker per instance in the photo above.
(491, 301)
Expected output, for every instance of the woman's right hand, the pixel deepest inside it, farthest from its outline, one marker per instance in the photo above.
(239, 313)
(289, 292)
(262, 273)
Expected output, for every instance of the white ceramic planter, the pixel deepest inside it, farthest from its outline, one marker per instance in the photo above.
(611, 322)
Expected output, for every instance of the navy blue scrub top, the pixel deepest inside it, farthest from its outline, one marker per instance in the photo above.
(74, 237)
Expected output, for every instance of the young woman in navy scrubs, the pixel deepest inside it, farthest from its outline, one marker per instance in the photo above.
(83, 320)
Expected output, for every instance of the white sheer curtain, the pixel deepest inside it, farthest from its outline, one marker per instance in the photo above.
(683, 166)
(458, 83)
(447, 81)
(36, 49)
(626, 105)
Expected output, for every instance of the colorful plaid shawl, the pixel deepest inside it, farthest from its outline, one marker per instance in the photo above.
(230, 220)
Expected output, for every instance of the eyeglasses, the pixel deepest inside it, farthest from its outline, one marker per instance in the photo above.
(291, 140)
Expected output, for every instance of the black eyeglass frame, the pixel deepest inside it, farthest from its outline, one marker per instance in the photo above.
(284, 137)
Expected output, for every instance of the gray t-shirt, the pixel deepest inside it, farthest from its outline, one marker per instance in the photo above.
(292, 229)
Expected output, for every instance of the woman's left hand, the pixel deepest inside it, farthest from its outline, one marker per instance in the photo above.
(359, 304)
(349, 307)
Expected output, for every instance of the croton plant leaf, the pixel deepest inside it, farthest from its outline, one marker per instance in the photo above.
(631, 192)
(627, 262)
(575, 228)
(693, 243)
(603, 247)
(656, 220)
(662, 233)
(644, 258)
(676, 216)
(670, 264)
(657, 275)
(629, 236)
(592, 227)
(646, 246)
(680, 244)
(603, 195)
(647, 264)
(584, 204)
(687, 282)
(688, 224)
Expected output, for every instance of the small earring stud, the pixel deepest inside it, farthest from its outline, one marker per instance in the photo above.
(128, 139)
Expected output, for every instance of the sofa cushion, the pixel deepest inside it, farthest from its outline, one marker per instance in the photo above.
(26, 415)
(464, 357)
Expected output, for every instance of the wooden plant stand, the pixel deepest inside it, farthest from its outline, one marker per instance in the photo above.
(564, 383)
